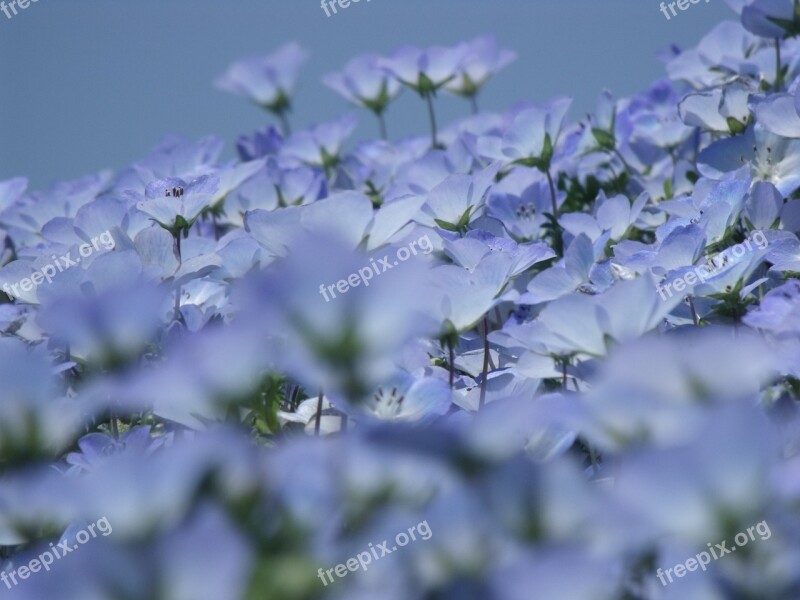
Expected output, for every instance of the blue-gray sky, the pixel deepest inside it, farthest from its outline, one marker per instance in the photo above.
(93, 84)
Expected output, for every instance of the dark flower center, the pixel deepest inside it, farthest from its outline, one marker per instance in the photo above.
(175, 192)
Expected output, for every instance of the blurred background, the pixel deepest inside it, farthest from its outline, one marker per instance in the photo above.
(87, 85)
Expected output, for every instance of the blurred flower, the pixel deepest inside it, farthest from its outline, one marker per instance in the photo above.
(267, 80)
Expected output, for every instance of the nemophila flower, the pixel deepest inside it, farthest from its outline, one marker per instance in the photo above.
(105, 314)
(374, 167)
(95, 448)
(404, 397)
(204, 374)
(174, 156)
(483, 59)
(175, 204)
(262, 143)
(425, 71)
(784, 253)
(674, 247)
(724, 52)
(769, 157)
(273, 188)
(723, 110)
(523, 216)
(503, 385)
(615, 215)
(199, 573)
(393, 221)
(470, 250)
(769, 18)
(364, 83)
(155, 490)
(268, 81)
(564, 277)
(603, 144)
(28, 215)
(719, 204)
(465, 296)
(105, 214)
(318, 419)
(458, 200)
(532, 136)
(586, 324)
(699, 496)
(604, 121)
(778, 113)
(763, 206)
(778, 312)
(34, 419)
(229, 178)
(331, 329)
(547, 575)
(346, 215)
(321, 145)
(655, 124)
(424, 172)
(11, 190)
(729, 276)
(156, 250)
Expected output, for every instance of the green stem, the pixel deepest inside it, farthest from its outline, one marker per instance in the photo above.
(319, 415)
(778, 69)
(432, 118)
(382, 125)
(553, 202)
(695, 318)
(452, 365)
(286, 128)
(485, 376)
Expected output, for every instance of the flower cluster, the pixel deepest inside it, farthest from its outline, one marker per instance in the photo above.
(520, 385)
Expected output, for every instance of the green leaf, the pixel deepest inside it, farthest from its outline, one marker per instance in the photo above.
(735, 126)
(447, 226)
(604, 139)
(547, 153)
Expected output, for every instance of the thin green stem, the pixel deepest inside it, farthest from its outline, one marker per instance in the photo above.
(318, 421)
(778, 68)
(432, 117)
(695, 318)
(286, 128)
(553, 202)
(485, 375)
(452, 365)
(215, 225)
(382, 125)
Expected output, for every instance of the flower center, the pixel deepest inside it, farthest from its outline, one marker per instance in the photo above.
(175, 192)
(390, 404)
